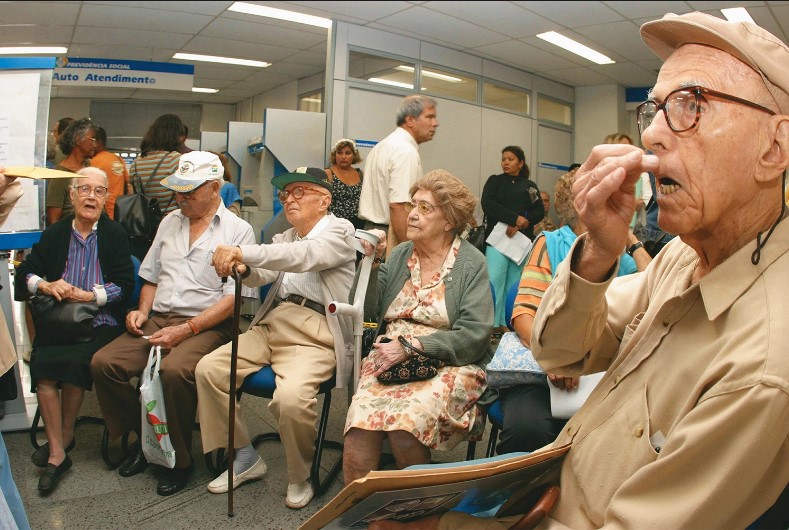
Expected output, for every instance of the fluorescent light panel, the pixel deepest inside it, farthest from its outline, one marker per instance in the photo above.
(398, 84)
(281, 14)
(575, 47)
(33, 50)
(428, 73)
(221, 60)
(737, 14)
(205, 90)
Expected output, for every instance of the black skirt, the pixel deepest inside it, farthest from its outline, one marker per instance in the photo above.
(70, 363)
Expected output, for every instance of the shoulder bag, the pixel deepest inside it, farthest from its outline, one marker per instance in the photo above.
(139, 214)
(63, 322)
(476, 235)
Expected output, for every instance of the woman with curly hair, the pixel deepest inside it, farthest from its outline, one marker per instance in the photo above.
(78, 143)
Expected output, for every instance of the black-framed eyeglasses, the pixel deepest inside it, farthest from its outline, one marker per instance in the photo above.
(297, 192)
(422, 207)
(85, 189)
(683, 108)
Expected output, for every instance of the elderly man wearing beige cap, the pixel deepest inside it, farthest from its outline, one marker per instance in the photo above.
(689, 426)
(184, 308)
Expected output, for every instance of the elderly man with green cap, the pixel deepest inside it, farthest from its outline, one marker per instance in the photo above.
(308, 265)
(689, 427)
(184, 308)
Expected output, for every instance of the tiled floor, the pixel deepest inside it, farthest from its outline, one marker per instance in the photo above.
(92, 496)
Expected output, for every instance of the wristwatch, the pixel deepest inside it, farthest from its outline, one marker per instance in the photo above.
(635, 246)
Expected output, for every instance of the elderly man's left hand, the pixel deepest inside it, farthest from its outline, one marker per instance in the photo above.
(171, 336)
(225, 257)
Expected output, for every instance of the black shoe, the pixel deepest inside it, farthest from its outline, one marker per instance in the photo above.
(174, 481)
(51, 475)
(135, 463)
(40, 456)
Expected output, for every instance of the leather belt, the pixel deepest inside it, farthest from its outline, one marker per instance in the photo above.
(303, 302)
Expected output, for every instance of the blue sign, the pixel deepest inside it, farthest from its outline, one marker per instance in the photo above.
(547, 165)
(76, 71)
(365, 143)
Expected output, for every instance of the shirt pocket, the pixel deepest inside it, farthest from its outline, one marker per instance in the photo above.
(198, 263)
(613, 451)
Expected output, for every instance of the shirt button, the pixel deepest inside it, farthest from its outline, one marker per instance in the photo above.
(665, 323)
(617, 379)
(570, 430)
(638, 432)
(449, 278)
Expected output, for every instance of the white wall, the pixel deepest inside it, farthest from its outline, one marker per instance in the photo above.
(215, 117)
(67, 108)
(599, 111)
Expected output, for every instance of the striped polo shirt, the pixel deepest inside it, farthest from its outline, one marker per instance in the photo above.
(144, 167)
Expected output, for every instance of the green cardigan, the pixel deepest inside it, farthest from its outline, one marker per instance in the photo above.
(468, 299)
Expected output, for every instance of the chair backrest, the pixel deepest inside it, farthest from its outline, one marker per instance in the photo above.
(138, 283)
(509, 303)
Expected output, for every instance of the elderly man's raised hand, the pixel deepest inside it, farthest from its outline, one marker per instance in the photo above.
(225, 257)
(604, 192)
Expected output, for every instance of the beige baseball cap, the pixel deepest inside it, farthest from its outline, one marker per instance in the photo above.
(753, 45)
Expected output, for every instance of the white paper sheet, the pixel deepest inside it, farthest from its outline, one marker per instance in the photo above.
(515, 248)
(564, 404)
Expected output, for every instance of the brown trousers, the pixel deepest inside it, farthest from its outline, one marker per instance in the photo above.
(125, 358)
(297, 343)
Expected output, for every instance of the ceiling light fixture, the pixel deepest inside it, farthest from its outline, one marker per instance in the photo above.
(205, 90)
(398, 84)
(428, 73)
(575, 47)
(33, 50)
(221, 60)
(281, 14)
(737, 14)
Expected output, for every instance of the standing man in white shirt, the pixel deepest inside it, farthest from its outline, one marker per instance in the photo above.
(394, 165)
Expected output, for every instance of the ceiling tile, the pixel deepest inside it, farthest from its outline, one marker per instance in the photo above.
(203, 7)
(431, 24)
(623, 37)
(130, 37)
(367, 11)
(573, 13)
(521, 55)
(43, 13)
(239, 49)
(651, 10)
(26, 35)
(140, 17)
(502, 17)
(219, 71)
(244, 30)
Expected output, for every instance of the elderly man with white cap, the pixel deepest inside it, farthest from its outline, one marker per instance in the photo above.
(310, 265)
(689, 427)
(184, 308)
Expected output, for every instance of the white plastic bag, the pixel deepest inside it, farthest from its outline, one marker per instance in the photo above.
(155, 436)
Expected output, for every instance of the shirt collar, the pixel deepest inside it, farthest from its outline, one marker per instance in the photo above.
(317, 229)
(74, 225)
(407, 136)
(729, 280)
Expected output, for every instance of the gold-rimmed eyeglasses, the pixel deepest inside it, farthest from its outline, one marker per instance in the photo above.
(85, 189)
(422, 207)
(683, 108)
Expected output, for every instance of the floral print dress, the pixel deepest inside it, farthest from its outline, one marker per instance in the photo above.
(345, 199)
(440, 412)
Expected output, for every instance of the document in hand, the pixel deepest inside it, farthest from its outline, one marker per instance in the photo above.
(515, 248)
(472, 487)
(564, 404)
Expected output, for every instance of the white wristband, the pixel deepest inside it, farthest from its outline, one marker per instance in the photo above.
(101, 295)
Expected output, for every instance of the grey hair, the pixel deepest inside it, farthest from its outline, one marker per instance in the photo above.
(413, 106)
(90, 172)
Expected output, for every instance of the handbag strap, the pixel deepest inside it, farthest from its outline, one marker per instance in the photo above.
(138, 180)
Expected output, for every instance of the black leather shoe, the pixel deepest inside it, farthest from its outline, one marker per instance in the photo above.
(40, 456)
(174, 481)
(135, 463)
(52, 473)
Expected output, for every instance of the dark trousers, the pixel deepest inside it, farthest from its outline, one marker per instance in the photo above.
(528, 424)
(125, 358)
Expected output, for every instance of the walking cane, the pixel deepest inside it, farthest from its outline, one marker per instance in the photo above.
(231, 430)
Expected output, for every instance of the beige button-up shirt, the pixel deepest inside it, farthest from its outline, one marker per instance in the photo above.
(689, 428)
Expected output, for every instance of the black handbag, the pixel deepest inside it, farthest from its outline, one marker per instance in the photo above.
(64, 322)
(417, 367)
(476, 236)
(139, 214)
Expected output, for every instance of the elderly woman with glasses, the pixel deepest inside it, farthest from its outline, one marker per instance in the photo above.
(433, 300)
(78, 143)
(81, 258)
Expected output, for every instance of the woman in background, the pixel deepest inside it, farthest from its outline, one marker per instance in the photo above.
(159, 158)
(346, 181)
(229, 193)
(510, 198)
(78, 143)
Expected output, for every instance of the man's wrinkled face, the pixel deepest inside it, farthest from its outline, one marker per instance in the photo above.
(705, 177)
